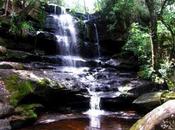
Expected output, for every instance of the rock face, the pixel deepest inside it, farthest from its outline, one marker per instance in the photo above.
(53, 9)
(47, 42)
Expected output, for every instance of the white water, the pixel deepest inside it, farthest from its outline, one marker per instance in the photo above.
(94, 112)
(66, 37)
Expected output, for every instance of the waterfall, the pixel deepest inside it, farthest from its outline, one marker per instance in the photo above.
(94, 111)
(66, 37)
(97, 40)
(95, 102)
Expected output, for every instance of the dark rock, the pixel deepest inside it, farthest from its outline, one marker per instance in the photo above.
(53, 9)
(47, 42)
(149, 100)
(51, 24)
(22, 57)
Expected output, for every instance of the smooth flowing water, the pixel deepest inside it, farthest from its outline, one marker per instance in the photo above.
(66, 37)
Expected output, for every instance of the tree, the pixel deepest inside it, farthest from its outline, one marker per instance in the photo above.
(151, 4)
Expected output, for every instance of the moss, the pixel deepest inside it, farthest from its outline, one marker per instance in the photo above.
(167, 95)
(49, 83)
(28, 110)
(44, 82)
(18, 88)
(137, 125)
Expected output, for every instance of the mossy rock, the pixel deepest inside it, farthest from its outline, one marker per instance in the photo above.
(18, 88)
(45, 82)
(25, 114)
(168, 95)
(28, 110)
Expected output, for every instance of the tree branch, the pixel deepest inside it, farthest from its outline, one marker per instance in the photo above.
(163, 7)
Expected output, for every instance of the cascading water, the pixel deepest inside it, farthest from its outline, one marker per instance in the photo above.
(94, 112)
(66, 37)
(67, 42)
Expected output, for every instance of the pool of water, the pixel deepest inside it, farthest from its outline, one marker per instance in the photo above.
(106, 121)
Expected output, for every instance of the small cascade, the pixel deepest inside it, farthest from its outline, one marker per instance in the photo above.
(94, 112)
(97, 40)
(95, 102)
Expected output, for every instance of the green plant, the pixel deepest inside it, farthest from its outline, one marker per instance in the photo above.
(146, 71)
(139, 43)
(28, 110)
(166, 71)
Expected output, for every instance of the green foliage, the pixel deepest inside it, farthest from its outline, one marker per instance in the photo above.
(146, 71)
(28, 110)
(166, 71)
(121, 13)
(20, 27)
(139, 42)
(18, 88)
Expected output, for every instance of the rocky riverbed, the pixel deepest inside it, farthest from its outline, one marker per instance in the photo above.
(31, 87)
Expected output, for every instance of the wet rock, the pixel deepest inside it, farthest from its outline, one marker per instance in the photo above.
(5, 124)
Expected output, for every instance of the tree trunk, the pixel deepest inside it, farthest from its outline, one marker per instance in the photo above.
(153, 28)
(155, 117)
